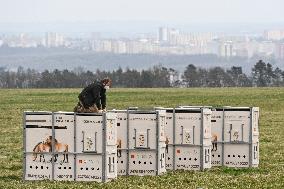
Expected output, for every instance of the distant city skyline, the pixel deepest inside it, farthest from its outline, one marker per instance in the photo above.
(167, 41)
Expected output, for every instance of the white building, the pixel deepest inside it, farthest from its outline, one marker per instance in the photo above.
(173, 35)
(226, 49)
(241, 49)
(266, 48)
(118, 47)
(279, 54)
(163, 34)
(53, 40)
(274, 34)
(106, 46)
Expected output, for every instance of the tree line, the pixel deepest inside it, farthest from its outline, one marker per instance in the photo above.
(262, 75)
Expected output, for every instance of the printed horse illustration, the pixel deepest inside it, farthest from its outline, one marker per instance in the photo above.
(167, 145)
(236, 136)
(214, 142)
(46, 146)
(60, 147)
(42, 147)
(118, 144)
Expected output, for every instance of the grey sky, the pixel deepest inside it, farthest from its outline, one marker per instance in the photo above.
(150, 10)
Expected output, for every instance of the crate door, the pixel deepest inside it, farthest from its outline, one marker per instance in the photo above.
(64, 146)
(38, 130)
(89, 146)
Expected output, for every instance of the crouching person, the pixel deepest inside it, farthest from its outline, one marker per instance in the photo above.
(92, 99)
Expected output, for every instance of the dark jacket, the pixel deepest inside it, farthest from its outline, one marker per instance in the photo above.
(94, 93)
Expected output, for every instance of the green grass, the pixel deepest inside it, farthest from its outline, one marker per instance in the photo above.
(270, 173)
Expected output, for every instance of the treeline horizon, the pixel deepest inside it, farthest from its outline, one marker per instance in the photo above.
(262, 75)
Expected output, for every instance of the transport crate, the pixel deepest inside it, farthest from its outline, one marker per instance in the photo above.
(188, 138)
(235, 136)
(140, 142)
(68, 146)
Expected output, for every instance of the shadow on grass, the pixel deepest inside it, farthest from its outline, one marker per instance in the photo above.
(239, 171)
(10, 178)
(12, 168)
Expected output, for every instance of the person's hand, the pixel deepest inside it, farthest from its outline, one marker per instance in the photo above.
(100, 111)
(104, 110)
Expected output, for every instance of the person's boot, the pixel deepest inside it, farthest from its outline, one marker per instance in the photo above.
(93, 109)
(78, 108)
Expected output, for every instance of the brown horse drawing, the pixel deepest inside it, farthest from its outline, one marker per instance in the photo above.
(46, 146)
(236, 136)
(214, 142)
(42, 147)
(167, 144)
(60, 147)
(118, 144)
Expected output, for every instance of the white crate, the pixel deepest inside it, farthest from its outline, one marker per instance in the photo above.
(68, 146)
(235, 137)
(141, 142)
(188, 138)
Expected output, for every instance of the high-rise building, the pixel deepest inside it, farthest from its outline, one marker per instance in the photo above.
(106, 46)
(279, 51)
(173, 35)
(163, 34)
(274, 34)
(134, 47)
(266, 48)
(226, 49)
(241, 49)
(118, 47)
(54, 40)
(252, 47)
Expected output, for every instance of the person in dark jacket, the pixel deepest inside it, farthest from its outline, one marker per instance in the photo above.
(93, 97)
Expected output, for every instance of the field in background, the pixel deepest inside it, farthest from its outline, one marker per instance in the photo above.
(270, 173)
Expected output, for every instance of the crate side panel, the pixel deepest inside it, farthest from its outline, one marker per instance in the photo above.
(89, 168)
(188, 158)
(89, 134)
(64, 132)
(64, 167)
(142, 131)
(40, 169)
(142, 163)
(121, 162)
(236, 155)
(188, 128)
(237, 126)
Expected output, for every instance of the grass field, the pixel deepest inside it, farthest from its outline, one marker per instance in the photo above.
(270, 173)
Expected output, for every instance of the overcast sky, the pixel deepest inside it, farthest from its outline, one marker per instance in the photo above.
(146, 10)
